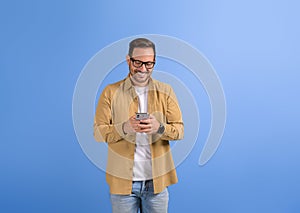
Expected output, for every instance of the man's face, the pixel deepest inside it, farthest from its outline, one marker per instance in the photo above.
(140, 75)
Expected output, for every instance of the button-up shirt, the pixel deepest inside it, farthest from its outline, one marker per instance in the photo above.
(117, 103)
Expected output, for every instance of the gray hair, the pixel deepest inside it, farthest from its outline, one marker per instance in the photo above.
(141, 43)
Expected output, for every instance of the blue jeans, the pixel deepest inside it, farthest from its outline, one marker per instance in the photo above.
(141, 198)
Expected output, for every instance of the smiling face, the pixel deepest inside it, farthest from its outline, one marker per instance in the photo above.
(140, 75)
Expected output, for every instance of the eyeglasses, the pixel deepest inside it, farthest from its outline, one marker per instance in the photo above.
(138, 63)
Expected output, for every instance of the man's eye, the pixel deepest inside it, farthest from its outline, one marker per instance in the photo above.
(138, 62)
(149, 64)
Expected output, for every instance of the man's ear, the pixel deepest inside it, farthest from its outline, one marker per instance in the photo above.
(128, 59)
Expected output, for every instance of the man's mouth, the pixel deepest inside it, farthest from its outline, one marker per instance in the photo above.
(139, 73)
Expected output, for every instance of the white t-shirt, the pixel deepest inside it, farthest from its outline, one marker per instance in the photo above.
(142, 168)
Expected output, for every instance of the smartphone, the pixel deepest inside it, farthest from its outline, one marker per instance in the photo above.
(141, 115)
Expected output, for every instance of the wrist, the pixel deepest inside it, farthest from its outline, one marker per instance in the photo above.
(161, 129)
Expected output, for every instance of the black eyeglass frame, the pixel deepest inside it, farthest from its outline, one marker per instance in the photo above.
(152, 63)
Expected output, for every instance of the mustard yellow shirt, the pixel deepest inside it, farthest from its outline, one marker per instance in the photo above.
(117, 103)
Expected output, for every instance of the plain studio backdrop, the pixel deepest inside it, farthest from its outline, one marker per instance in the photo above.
(253, 47)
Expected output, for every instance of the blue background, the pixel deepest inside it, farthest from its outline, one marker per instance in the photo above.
(253, 46)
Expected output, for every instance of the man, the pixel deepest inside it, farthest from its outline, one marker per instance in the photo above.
(137, 117)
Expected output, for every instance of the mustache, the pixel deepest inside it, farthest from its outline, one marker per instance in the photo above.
(139, 71)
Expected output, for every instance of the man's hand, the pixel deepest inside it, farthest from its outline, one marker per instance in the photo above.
(131, 126)
(149, 126)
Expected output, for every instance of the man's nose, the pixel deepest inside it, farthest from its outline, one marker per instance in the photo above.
(143, 68)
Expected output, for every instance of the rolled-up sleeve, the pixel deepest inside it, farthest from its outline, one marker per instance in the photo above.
(174, 128)
(104, 129)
